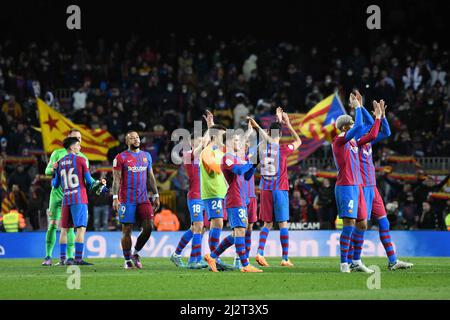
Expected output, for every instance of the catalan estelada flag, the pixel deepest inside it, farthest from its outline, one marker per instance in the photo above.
(318, 123)
(308, 145)
(55, 127)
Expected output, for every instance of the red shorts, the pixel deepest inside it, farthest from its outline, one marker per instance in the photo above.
(252, 210)
(362, 208)
(206, 222)
(378, 209)
(274, 206)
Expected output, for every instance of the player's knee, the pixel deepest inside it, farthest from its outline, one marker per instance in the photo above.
(346, 222)
(268, 225)
(239, 232)
(53, 222)
(282, 224)
(217, 223)
(362, 225)
(197, 227)
(126, 230)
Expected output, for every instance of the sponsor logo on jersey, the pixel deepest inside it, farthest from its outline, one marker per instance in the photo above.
(137, 168)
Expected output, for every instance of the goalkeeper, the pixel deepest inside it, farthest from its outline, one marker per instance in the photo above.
(54, 210)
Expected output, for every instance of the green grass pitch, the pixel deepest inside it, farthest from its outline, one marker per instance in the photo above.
(311, 278)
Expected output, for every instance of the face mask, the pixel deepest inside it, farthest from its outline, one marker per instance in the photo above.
(170, 88)
(349, 73)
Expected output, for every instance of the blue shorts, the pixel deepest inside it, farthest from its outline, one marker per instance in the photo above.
(74, 216)
(274, 206)
(196, 208)
(214, 208)
(347, 201)
(128, 212)
(237, 217)
(369, 195)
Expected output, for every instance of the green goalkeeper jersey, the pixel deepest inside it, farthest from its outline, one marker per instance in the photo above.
(212, 181)
(57, 155)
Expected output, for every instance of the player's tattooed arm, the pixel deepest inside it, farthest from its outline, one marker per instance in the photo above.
(151, 182)
(117, 176)
(297, 141)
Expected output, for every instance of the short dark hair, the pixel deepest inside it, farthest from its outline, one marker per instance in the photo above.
(275, 125)
(70, 141)
(219, 127)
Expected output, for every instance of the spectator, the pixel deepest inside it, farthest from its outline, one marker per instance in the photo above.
(21, 178)
(13, 220)
(240, 112)
(249, 66)
(430, 218)
(166, 220)
(12, 108)
(326, 201)
(412, 78)
(79, 99)
(35, 206)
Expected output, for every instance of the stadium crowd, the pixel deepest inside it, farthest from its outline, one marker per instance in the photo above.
(160, 86)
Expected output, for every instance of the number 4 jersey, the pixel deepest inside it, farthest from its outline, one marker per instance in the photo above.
(73, 176)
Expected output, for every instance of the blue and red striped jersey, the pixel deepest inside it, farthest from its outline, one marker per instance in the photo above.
(73, 176)
(133, 183)
(274, 167)
(365, 155)
(233, 170)
(192, 167)
(347, 161)
(366, 165)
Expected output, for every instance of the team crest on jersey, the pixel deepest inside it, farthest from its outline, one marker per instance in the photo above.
(145, 160)
(367, 152)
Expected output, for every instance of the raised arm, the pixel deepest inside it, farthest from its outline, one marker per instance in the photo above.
(367, 117)
(357, 126)
(209, 118)
(372, 134)
(261, 131)
(385, 130)
(297, 141)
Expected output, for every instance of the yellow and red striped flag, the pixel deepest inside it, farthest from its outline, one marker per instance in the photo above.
(308, 145)
(55, 127)
(318, 123)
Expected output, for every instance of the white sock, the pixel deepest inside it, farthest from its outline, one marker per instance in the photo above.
(358, 262)
(135, 251)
